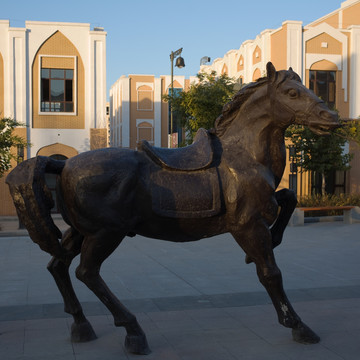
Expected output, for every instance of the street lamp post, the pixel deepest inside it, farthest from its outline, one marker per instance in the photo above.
(204, 60)
(180, 63)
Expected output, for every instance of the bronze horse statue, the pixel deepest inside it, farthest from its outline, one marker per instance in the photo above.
(225, 181)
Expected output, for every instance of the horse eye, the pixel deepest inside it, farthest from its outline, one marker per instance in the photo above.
(293, 93)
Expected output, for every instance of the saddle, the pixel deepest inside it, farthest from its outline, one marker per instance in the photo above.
(186, 186)
(197, 156)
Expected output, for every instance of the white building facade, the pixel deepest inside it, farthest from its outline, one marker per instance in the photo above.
(53, 79)
(326, 55)
(74, 47)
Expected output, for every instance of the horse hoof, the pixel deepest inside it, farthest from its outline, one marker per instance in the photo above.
(304, 335)
(82, 332)
(137, 344)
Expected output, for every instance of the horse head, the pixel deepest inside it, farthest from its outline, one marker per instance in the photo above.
(293, 103)
(283, 98)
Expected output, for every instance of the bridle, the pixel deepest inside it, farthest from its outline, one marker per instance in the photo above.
(299, 115)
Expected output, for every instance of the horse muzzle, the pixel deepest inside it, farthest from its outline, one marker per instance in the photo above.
(328, 121)
(321, 122)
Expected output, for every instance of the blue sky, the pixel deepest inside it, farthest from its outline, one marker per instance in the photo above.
(142, 33)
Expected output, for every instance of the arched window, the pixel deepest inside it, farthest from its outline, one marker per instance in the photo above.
(145, 131)
(145, 98)
(256, 55)
(58, 86)
(256, 74)
(322, 81)
(240, 63)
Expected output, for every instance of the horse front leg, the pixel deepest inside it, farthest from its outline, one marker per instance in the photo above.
(256, 241)
(81, 329)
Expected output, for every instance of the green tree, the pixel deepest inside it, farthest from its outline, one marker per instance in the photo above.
(202, 103)
(350, 130)
(322, 154)
(7, 142)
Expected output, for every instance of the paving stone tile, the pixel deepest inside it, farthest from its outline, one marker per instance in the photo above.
(194, 301)
(295, 351)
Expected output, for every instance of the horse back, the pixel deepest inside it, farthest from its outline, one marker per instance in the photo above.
(100, 184)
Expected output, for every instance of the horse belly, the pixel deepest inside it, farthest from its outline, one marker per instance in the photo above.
(181, 230)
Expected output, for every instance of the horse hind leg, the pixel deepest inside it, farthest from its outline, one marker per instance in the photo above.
(257, 244)
(81, 329)
(287, 201)
(96, 248)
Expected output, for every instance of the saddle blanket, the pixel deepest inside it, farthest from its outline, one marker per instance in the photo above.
(186, 194)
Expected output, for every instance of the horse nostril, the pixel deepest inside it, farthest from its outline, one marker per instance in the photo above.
(324, 114)
(329, 115)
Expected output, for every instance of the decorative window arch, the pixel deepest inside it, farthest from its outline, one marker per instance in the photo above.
(256, 55)
(57, 149)
(324, 65)
(341, 60)
(176, 85)
(145, 130)
(240, 63)
(145, 98)
(256, 74)
(58, 60)
(224, 70)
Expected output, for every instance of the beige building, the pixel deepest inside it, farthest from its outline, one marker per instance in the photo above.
(137, 111)
(326, 55)
(53, 79)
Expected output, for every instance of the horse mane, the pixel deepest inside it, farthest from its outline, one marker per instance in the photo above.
(229, 109)
(227, 115)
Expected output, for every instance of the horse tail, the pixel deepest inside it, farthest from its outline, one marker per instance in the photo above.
(33, 201)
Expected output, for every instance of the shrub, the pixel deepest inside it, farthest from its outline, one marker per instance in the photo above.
(328, 200)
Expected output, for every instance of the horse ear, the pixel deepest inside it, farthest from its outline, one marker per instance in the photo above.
(271, 71)
(291, 69)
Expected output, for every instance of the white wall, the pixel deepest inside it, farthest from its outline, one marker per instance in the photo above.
(19, 47)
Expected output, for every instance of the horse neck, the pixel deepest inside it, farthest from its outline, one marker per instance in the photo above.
(254, 132)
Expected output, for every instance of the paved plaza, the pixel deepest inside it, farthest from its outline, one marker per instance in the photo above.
(195, 300)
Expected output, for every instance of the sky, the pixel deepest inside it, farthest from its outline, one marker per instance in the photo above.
(142, 33)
